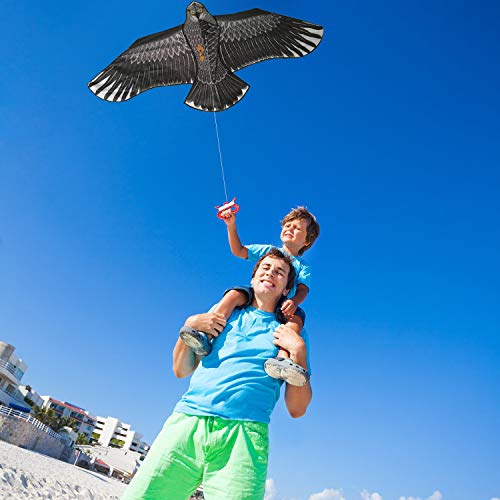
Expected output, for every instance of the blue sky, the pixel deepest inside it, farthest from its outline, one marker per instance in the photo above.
(389, 133)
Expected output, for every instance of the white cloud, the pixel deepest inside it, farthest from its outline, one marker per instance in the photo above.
(436, 496)
(365, 495)
(496, 498)
(328, 494)
(270, 493)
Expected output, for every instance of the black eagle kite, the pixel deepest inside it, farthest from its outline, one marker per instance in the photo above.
(205, 51)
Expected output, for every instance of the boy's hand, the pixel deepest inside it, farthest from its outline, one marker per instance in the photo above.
(288, 308)
(228, 217)
(212, 323)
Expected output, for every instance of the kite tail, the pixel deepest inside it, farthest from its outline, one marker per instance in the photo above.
(217, 96)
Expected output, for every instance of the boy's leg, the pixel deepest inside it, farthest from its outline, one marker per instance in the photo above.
(200, 342)
(233, 298)
(236, 467)
(295, 323)
(173, 468)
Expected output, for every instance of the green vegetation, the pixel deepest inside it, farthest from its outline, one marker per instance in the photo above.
(49, 417)
(82, 439)
(116, 443)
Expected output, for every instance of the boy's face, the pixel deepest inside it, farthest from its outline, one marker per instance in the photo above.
(295, 232)
(271, 277)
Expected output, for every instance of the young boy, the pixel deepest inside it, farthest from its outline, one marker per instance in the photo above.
(299, 230)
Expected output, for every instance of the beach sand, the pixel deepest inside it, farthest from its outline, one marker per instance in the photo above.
(25, 475)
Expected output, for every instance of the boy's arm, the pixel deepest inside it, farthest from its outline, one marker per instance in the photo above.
(290, 306)
(232, 235)
(300, 294)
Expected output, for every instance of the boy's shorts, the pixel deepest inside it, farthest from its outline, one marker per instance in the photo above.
(229, 457)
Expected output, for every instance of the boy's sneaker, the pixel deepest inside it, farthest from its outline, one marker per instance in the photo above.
(285, 369)
(198, 341)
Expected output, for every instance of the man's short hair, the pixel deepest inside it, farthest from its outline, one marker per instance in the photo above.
(278, 254)
(301, 213)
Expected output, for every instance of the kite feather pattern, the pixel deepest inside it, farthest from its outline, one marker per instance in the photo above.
(205, 51)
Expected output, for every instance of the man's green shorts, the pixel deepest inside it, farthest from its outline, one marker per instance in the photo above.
(229, 457)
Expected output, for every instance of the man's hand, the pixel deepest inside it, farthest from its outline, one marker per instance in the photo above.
(289, 340)
(212, 323)
(288, 308)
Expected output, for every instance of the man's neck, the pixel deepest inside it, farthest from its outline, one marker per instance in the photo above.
(266, 304)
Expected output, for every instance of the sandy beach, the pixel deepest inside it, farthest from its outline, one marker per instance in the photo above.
(25, 474)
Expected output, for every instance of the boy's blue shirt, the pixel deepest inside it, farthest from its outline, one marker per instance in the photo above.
(231, 382)
(302, 268)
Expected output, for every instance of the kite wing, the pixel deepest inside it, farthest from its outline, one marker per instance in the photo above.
(256, 35)
(164, 58)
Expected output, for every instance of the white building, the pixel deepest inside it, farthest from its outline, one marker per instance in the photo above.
(31, 395)
(12, 370)
(120, 463)
(85, 421)
(112, 432)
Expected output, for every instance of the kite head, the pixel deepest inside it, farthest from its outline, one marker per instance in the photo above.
(196, 11)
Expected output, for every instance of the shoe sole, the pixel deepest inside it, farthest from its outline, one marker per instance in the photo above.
(286, 370)
(273, 368)
(295, 377)
(195, 343)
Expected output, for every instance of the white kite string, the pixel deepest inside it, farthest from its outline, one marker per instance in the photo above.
(220, 152)
(217, 127)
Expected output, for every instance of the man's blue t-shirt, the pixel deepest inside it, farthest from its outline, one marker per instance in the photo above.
(302, 268)
(231, 382)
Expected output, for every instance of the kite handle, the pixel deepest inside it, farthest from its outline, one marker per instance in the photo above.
(229, 205)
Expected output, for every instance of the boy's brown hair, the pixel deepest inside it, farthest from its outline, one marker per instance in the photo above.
(278, 254)
(301, 213)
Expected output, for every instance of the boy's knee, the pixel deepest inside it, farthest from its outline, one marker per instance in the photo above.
(244, 292)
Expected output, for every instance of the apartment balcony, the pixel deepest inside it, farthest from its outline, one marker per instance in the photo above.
(12, 396)
(10, 371)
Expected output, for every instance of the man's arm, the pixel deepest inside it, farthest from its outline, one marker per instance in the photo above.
(297, 399)
(185, 361)
(232, 235)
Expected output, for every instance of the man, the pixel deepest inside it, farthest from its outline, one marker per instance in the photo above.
(218, 433)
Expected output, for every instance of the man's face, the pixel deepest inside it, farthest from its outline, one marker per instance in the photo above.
(271, 278)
